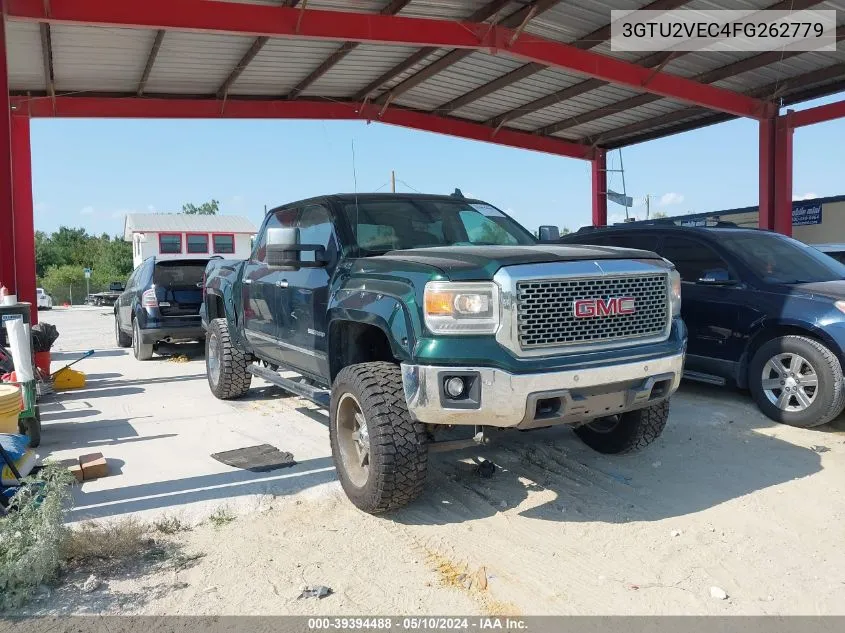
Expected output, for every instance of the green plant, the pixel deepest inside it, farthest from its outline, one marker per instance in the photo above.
(171, 525)
(221, 516)
(31, 535)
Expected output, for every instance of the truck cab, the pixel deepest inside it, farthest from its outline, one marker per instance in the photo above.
(410, 313)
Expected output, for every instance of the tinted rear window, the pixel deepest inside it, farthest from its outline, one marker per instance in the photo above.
(175, 274)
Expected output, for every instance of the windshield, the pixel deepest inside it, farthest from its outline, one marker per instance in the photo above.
(386, 225)
(781, 260)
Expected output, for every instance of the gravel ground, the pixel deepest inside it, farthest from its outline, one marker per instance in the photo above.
(728, 513)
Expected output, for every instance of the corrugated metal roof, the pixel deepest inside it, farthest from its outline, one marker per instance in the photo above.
(112, 60)
(184, 223)
(23, 42)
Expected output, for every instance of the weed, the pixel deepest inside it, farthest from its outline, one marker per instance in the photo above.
(31, 535)
(221, 516)
(107, 542)
(171, 525)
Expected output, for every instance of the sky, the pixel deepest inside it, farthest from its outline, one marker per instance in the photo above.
(90, 172)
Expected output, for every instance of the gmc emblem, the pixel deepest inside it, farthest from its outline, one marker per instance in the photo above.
(584, 308)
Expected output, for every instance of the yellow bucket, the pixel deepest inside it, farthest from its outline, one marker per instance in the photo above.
(10, 408)
(68, 378)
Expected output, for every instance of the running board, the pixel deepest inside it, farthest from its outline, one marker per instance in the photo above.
(316, 395)
(698, 376)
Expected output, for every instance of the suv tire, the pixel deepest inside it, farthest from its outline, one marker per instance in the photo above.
(142, 351)
(795, 362)
(121, 339)
(369, 422)
(226, 367)
(626, 432)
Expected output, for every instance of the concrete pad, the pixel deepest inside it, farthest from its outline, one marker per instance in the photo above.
(157, 425)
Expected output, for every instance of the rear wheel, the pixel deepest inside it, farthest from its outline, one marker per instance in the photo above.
(120, 338)
(380, 453)
(226, 366)
(142, 351)
(796, 380)
(626, 432)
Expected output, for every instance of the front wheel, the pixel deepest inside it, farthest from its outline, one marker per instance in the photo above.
(226, 366)
(796, 380)
(626, 432)
(379, 451)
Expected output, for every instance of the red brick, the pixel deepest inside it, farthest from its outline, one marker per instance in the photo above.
(93, 466)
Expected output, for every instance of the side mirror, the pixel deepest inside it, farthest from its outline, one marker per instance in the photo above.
(284, 250)
(549, 233)
(716, 277)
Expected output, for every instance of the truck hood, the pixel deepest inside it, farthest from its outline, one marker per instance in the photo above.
(482, 262)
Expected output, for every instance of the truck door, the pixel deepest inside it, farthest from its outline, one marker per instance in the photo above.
(710, 310)
(261, 286)
(305, 295)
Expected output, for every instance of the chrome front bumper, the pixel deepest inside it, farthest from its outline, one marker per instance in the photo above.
(525, 401)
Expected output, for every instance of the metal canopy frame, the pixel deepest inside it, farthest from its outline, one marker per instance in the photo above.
(524, 35)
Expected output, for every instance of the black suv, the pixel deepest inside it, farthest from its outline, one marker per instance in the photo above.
(764, 311)
(161, 304)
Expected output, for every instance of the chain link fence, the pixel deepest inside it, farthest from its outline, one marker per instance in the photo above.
(77, 293)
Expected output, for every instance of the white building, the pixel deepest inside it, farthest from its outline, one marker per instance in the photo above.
(173, 235)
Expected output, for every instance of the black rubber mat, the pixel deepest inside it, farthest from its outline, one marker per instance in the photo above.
(256, 459)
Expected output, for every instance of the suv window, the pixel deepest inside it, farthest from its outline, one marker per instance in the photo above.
(693, 259)
(316, 227)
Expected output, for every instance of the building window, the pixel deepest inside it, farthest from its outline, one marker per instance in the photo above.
(224, 244)
(170, 243)
(197, 242)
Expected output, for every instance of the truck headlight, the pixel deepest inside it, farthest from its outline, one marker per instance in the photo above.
(461, 307)
(675, 292)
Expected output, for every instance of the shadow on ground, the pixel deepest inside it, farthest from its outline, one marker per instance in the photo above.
(706, 456)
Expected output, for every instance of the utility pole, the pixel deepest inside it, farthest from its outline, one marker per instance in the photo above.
(392, 181)
(647, 205)
(624, 190)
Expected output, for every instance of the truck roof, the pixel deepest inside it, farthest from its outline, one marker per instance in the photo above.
(363, 197)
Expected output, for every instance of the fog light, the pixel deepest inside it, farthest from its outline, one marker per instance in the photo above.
(454, 387)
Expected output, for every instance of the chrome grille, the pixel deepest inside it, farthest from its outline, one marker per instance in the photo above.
(546, 318)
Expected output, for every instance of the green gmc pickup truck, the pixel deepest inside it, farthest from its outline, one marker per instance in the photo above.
(404, 315)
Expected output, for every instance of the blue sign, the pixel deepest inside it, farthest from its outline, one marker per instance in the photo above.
(806, 214)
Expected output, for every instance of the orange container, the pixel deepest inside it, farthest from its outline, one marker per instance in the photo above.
(42, 361)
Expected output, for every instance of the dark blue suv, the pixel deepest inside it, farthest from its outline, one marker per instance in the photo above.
(161, 304)
(764, 312)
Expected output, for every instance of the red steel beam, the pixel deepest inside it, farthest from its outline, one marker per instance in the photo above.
(278, 21)
(599, 172)
(766, 211)
(24, 221)
(151, 108)
(819, 114)
(7, 216)
(783, 174)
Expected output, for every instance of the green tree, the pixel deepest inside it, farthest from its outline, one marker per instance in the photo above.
(658, 215)
(206, 208)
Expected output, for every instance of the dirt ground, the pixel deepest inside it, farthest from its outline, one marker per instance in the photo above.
(726, 498)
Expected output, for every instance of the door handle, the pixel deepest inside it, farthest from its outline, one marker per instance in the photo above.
(282, 284)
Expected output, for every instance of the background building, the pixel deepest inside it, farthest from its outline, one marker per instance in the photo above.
(814, 221)
(172, 235)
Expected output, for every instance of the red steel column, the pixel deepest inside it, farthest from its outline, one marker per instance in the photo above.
(24, 221)
(599, 164)
(783, 175)
(7, 223)
(766, 216)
